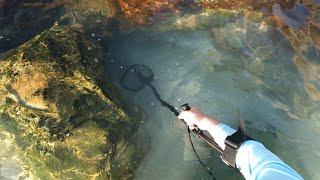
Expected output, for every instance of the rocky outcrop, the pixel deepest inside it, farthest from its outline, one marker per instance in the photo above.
(67, 118)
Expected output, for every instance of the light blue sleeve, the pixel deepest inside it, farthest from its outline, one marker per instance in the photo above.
(254, 161)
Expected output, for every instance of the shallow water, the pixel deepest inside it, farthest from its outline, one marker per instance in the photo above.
(189, 67)
(223, 67)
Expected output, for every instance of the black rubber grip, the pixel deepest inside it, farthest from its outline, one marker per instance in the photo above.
(185, 107)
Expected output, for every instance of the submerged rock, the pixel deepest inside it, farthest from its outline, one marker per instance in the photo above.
(26, 20)
(22, 20)
(147, 12)
(67, 118)
(5, 9)
(144, 12)
(300, 25)
(294, 18)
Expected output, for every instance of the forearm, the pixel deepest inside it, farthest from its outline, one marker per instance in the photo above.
(220, 132)
(253, 160)
(256, 162)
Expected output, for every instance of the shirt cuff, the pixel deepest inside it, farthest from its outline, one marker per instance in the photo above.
(220, 133)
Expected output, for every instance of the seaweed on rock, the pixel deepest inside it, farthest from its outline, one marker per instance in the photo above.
(65, 114)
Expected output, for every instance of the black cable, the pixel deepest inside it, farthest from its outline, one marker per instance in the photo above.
(147, 80)
(163, 102)
(195, 152)
(172, 109)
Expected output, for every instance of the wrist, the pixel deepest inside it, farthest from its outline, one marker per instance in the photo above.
(220, 132)
(209, 123)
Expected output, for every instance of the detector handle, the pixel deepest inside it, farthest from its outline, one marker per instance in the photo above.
(185, 107)
(200, 134)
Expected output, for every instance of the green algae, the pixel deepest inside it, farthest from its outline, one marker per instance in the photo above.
(84, 126)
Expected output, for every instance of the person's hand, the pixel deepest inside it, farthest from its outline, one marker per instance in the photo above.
(195, 117)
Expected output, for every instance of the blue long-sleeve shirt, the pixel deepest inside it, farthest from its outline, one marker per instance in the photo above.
(254, 161)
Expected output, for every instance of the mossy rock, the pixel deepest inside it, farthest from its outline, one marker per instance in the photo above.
(65, 114)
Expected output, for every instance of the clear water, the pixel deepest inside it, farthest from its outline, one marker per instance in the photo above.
(190, 67)
(251, 70)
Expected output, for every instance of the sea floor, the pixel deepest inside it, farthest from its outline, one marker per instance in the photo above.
(191, 67)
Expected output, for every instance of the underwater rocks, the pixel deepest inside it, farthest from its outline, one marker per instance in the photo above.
(266, 54)
(245, 4)
(247, 43)
(204, 19)
(143, 12)
(301, 27)
(108, 8)
(66, 116)
(5, 9)
(147, 12)
(106, 17)
(200, 20)
(26, 20)
(298, 23)
(294, 18)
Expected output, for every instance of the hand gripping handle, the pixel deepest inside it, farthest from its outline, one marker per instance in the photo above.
(200, 134)
(196, 130)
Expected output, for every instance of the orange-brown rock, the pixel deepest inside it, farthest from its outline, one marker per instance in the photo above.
(247, 4)
(144, 11)
(300, 33)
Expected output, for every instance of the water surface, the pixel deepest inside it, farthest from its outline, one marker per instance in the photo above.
(191, 66)
(216, 61)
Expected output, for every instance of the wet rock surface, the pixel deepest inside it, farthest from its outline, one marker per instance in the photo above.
(65, 115)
